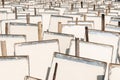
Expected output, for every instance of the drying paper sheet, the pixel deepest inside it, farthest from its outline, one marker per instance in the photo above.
(108, 38)
(30, 30)
(64, 39)
(53, 27)
(74, 68)
(10, 42)
(40, 55)
(14, 68)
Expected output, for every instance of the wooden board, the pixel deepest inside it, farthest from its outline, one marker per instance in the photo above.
(40, 54)
(74, 68)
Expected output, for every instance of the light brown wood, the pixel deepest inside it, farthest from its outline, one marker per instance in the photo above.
(59, 27)
(72, 6)
(84, 17)
(6, 28)
(3, 48)
(76, 20)
(98, 13)
(106, 12)
(28, 18)
(39, 31)
(3, 3)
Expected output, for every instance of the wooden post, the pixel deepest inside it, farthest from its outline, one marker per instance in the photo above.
(39, 31)
(76, 20)
(106, 12)
(3, 3)
(3, 48)
(118, 23)
(55, 71)
(98, 13)
(35, 11)
(72, 6)
(81, 4)
(59, 27)
(59, 4)
(15, 12)
(86, 34)
(28, 18)
(94, 7)
(6, 28)
(77, 47)
(84, 17)
(109, 8)
(103, 22)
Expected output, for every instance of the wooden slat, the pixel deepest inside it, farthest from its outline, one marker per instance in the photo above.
(103, 22)
(39, 31)
(3, 48)
(59, 27)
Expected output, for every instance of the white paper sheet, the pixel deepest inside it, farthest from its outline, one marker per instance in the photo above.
(108, 38)
(10, 41)
(14, 68)
(64, 39)
(40, 54)
(74, 68)
(54, 22)
(76, 30)
(31, 31)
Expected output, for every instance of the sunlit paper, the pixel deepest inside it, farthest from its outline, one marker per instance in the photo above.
(40, 54)
(54, 22)
(114, 71)
(108, 38)
(10, 41)
(74, 68)
(30, 30)
(2, 23)
(14, 68)
(64, 39)
(76, 30)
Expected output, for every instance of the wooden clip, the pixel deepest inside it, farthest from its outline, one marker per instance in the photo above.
(109, 8)
(118, 23)
(6, 28)
(72, 6)
(103, 22)
(76, 20)
(98, 13)
(94, 7)
(15, 12)
(28, 18)
(77, 47)
(84, 17)
(55, 71)
(3, 48)
(86, 34)
(106, 12)
(81, 4)
(39, 31)
(35, 11)
(59, 27)
(3, 3)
